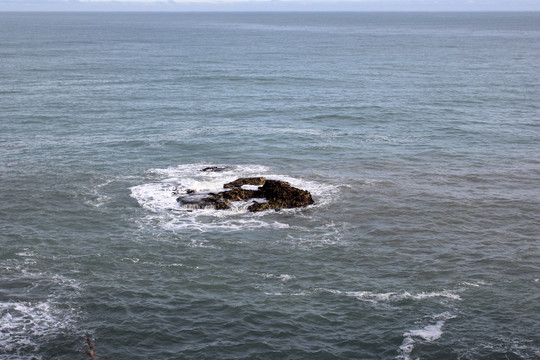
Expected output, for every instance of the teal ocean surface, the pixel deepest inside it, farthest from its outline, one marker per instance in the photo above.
(418, 135)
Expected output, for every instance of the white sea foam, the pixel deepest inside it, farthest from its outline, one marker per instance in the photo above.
(25, 253)
(374, 297)
(27, 319)
(95, 196)
(282, 277)
(286, 277)
(474, 284)
(101, 193)
(428, 333)
(159, 195)
(28, 256)
(381, 139)
(23, 324)
(174, 265)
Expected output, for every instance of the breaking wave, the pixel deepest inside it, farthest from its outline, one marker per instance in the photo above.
(427, 334)
(159, 195)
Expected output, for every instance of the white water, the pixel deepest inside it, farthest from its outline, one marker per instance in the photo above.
(159, 196)
(427, 334)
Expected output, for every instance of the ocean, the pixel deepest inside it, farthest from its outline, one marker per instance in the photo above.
(417, 134)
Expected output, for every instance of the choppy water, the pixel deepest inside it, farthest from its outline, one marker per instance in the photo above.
(417, 134)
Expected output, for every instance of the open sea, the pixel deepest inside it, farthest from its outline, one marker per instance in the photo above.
(418, 135)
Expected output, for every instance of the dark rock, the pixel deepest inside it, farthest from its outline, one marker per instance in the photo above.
(245, 181)
(217, 168)
(191, 191)
(222, 205)
(187, 200)
(279, 195)
(213, 198)
(259, 206)
(238, 194)
(190, 202)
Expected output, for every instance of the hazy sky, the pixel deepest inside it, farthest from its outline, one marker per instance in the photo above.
(269, 5)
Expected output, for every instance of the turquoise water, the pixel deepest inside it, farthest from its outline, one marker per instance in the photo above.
(417, 135)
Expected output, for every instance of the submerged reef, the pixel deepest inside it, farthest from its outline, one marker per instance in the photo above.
(216, 169)
(274, 194)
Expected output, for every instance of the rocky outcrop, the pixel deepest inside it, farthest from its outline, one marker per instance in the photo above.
(245, 181)
(281, 195)
(278, 195)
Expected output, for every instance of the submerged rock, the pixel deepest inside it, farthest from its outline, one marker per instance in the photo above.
(216, 168)
(278, 195)
(195, 202)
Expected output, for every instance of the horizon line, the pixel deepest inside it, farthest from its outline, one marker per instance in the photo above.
(259, 11)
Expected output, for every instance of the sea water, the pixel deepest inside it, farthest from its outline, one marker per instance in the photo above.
(417, 134)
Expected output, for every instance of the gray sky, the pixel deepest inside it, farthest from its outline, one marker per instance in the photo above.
(269, 5)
